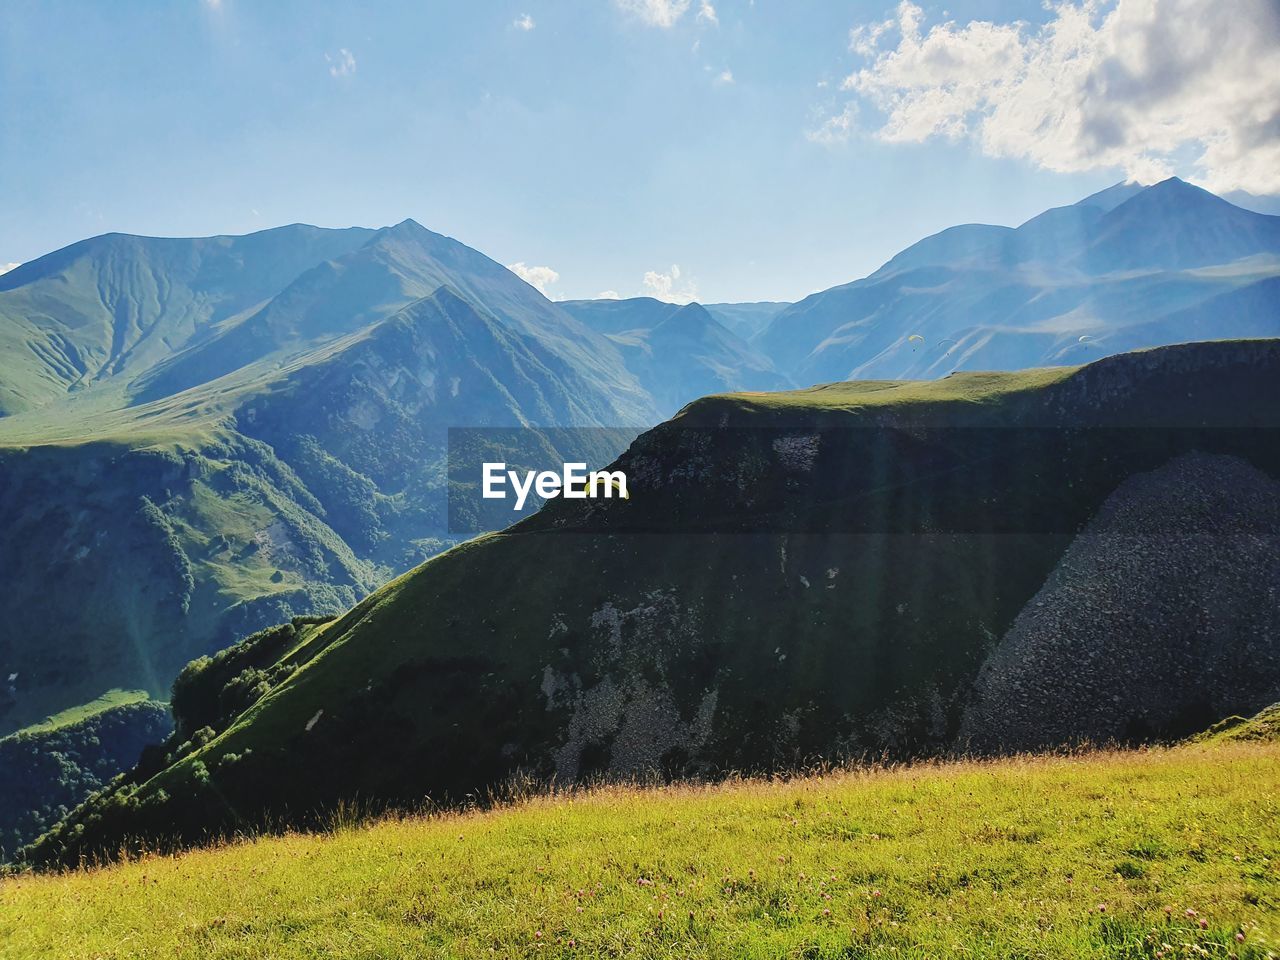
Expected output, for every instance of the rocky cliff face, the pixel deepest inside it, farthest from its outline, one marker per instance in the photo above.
(1162, 617)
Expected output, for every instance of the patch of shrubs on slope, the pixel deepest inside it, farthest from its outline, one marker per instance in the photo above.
(44, 774)
(207, 697)
(212, 691)
(153, 515)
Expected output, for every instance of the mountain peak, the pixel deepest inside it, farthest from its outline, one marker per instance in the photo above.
(1114, 195)
(1176, 196)
(688, 318)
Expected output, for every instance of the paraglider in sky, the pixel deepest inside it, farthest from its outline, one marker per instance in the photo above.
(1085, 339)
(915, 336)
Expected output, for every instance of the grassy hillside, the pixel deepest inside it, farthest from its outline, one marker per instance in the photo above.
(1263, 726)
(73, 715)
(819, 574)
(1171, 853)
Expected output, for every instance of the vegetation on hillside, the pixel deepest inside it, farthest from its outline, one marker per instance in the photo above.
(49, 768)
(1164, 853)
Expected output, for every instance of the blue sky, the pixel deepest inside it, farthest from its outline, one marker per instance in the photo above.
(603, 139)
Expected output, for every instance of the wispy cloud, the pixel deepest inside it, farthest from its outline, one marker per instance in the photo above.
(608, 295)
(707, 12)
(724, 77)
(342, 63)
(656, 13)
(539, 277)
(835, 129)
(1138, 85)
(673, 287)
(523, 22)
(6, 267)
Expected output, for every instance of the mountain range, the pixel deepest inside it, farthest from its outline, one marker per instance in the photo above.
(1128, 268)
(201, 438)
(988, 561)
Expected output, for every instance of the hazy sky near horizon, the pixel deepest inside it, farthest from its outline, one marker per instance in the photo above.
(763, 149)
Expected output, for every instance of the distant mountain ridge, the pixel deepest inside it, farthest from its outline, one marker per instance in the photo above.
(114, 305)
(1072, 284)
(682, 351)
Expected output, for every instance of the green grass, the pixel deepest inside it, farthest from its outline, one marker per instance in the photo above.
(1263, 726)
(73, 715)
(858, 394)
(1161, 853)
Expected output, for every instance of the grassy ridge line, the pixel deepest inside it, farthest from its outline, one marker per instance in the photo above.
(1166, 853)
(73, 715)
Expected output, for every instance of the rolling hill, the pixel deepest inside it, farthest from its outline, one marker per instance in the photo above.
(823, 573)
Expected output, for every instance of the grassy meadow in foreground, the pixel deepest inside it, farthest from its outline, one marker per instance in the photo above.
(1162, 853)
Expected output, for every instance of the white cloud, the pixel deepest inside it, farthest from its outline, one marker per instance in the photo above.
(523, 22)
(656, 13)
(725, 77)
(540, 277)
(1146, 86)
(670, 287)
(341, 64)
(707, 12)
(837, 128)
(608, 295)
(6, 267)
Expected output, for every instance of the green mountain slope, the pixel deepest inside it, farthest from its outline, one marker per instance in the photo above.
(111, 307)
(397, 266)
(811, 574)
